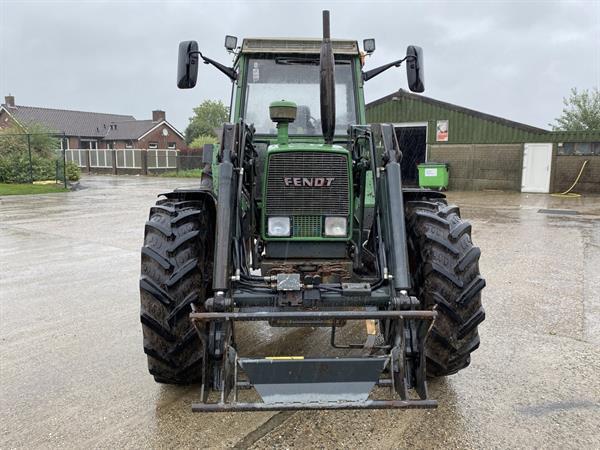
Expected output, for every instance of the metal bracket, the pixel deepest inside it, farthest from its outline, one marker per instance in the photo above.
(218, 303)
(357, 289)
(288, 282)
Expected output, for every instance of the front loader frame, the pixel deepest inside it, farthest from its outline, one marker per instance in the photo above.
(297, 383)
(356, 376)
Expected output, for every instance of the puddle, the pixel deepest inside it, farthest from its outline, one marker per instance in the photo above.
(569, 212)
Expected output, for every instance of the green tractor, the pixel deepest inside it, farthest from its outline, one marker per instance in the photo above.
(300, 219)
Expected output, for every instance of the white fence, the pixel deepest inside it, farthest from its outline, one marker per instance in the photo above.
(101, 158)
(162, 159)
(129, 158)
(78, 156)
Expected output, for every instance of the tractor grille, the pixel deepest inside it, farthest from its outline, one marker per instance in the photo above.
(297, 197)
(307, 226)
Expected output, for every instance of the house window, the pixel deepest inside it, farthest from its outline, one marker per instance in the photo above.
(153, 145)
(583, 148)
(88, 144)
(128, 144)
(171, 145)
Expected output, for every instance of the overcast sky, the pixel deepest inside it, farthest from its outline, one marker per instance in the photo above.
(514, 59)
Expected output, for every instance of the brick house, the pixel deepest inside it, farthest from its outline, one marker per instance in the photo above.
(144, 134)
(99, 141)
(90, 130)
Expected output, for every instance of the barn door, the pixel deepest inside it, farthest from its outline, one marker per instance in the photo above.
(412, 140)
(537, 160)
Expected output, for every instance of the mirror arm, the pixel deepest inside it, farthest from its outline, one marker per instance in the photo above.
(376, 71)
(229, 71)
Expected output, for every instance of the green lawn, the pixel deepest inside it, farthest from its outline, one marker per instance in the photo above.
(192, 173)
(24, 189)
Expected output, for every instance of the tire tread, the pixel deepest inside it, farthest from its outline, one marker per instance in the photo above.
(176, 255)
(445, 268)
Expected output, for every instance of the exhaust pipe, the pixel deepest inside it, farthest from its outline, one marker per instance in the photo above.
(327, 83)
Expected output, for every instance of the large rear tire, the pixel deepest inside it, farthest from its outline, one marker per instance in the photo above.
(176, 271)
(445, 267)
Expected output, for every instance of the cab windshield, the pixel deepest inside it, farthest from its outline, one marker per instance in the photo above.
(296, 78)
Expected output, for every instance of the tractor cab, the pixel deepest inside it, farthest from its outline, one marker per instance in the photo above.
(289, 69)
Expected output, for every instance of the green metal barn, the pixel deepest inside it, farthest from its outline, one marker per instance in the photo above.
(485, 151)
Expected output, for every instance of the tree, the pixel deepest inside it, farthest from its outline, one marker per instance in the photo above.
(201, 140)
(208, 117)
(14, 140)
(581, 111)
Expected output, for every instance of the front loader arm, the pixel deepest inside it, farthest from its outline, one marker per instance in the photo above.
(389, 205)
(225, 207)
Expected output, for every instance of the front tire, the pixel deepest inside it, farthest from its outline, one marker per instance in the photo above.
(176, 271)
(445, 267)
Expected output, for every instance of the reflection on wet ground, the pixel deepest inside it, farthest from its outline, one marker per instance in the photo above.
(73, 373)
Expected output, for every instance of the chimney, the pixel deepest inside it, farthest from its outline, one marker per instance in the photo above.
(9, 100)
(158, 115)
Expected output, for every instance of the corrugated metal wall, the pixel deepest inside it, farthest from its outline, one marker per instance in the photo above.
(574, 136)
(462, 128)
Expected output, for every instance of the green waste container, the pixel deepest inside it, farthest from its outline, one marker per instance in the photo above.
(433, 175)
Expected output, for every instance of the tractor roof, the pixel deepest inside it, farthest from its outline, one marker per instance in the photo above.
(295, 45)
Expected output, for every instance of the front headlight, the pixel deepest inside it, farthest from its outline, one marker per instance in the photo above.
(278, 226)
(336, 226)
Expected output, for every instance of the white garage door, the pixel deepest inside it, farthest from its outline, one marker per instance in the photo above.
(537, 159)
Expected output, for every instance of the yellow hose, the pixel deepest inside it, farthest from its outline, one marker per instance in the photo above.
(568, 193)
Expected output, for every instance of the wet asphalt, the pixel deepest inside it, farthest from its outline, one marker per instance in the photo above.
(73, 374)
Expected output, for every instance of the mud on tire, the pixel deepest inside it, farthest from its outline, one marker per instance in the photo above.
(445, 267)
(176, 271)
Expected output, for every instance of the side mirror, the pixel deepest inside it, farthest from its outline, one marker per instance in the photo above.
(187, 65)
(414, 68)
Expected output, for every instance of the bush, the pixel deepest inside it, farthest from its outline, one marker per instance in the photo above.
(73, 171)
(191, 173)
(14, 168)
(43, 168)
(14, 154)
